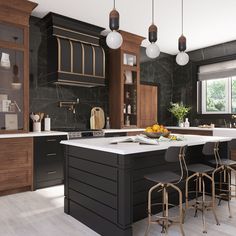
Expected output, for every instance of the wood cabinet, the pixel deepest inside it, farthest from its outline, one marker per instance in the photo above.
(191, 131)
(148, 105)
(14, 65)
(124, 83)
(16, 156)
(48, 161)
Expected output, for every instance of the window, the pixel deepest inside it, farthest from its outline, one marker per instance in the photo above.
(215, 96)
(217, 88)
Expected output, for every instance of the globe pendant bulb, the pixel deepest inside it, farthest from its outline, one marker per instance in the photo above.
(152, 50)
(114, 40)
(182, 58)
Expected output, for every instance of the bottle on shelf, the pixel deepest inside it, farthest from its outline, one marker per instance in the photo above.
(108, 123)
(186, 123)
(129, 109)
(124, 109)
(127, 121)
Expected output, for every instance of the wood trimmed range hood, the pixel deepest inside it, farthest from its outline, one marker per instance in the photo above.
(75, 56)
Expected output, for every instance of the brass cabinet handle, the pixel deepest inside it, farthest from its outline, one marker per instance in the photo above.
(51, 140)
(52, 172)
(51, 154)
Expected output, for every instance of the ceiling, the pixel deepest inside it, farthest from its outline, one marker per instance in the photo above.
(206, 22)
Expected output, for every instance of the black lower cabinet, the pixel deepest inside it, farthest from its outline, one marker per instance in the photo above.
(48, 161)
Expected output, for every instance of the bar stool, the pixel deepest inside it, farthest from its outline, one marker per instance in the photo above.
(167, 180)
(201, 172)
(224, 170)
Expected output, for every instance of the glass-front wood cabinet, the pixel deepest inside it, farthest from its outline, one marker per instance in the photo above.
(14, 66)
(130, 87)
(124, 83)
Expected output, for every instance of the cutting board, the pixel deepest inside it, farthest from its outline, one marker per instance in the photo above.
(97, 119)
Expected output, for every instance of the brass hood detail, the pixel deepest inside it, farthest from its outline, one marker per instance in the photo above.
(75, 56)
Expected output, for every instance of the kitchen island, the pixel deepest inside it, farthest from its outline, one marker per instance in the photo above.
(104, 183)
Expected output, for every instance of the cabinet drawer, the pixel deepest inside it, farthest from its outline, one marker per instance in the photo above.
(48, 147)
(10, 179)
(49, 157)
(49, 141)
(49, 171)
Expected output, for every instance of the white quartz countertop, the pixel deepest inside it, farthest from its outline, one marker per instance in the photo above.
(33, 134)
(223, 132)
(107, 131)
(103, 144)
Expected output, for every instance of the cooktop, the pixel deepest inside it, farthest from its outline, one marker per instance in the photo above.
(74, 133)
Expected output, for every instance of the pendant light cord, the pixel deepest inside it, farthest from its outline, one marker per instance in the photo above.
(153, 12)
(182, 24)
(114, 4)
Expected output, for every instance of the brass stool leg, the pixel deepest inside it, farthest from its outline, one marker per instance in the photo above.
(180, 208)
(196, 195)
(163, 230)
(203, 206)
(186, 189)
(149, 212)
(229, 192)
(220, 188)
(181, 213)
(150, 206)
(167, 209)
(213, 198)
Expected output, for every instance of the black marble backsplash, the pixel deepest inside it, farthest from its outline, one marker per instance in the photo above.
(45, 97)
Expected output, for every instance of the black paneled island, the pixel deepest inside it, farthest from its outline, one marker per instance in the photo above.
(104, 183)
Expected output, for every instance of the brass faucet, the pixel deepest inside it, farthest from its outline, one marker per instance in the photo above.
(69, 104)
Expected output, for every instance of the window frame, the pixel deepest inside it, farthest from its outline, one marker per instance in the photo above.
(228, 104)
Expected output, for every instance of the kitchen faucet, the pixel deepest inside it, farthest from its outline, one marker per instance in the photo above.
(69, 104)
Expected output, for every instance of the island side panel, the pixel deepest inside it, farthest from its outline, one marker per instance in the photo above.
(97, 190)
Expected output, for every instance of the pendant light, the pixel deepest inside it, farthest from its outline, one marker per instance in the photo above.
(114, 39)
(152, 49)
(16, 81)
(182, 57)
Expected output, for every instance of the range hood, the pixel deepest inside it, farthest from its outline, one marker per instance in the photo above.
(75, 56)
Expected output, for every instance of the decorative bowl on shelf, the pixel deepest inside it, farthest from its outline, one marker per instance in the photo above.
(156, 134)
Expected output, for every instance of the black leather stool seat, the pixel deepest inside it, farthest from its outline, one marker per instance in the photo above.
(200, 168)
(225, 162)
(163, 177)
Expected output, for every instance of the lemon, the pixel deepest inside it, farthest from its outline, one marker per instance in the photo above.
(156, 128)
(149, 130)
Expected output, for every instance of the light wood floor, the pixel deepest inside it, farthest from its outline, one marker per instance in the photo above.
(40, 213)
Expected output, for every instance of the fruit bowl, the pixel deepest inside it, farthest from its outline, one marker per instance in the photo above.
(156, 134)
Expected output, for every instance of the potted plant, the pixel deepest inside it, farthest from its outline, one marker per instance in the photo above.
(179, 111)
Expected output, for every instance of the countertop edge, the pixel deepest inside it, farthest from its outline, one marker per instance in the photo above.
(33, 134)
(107, 131)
